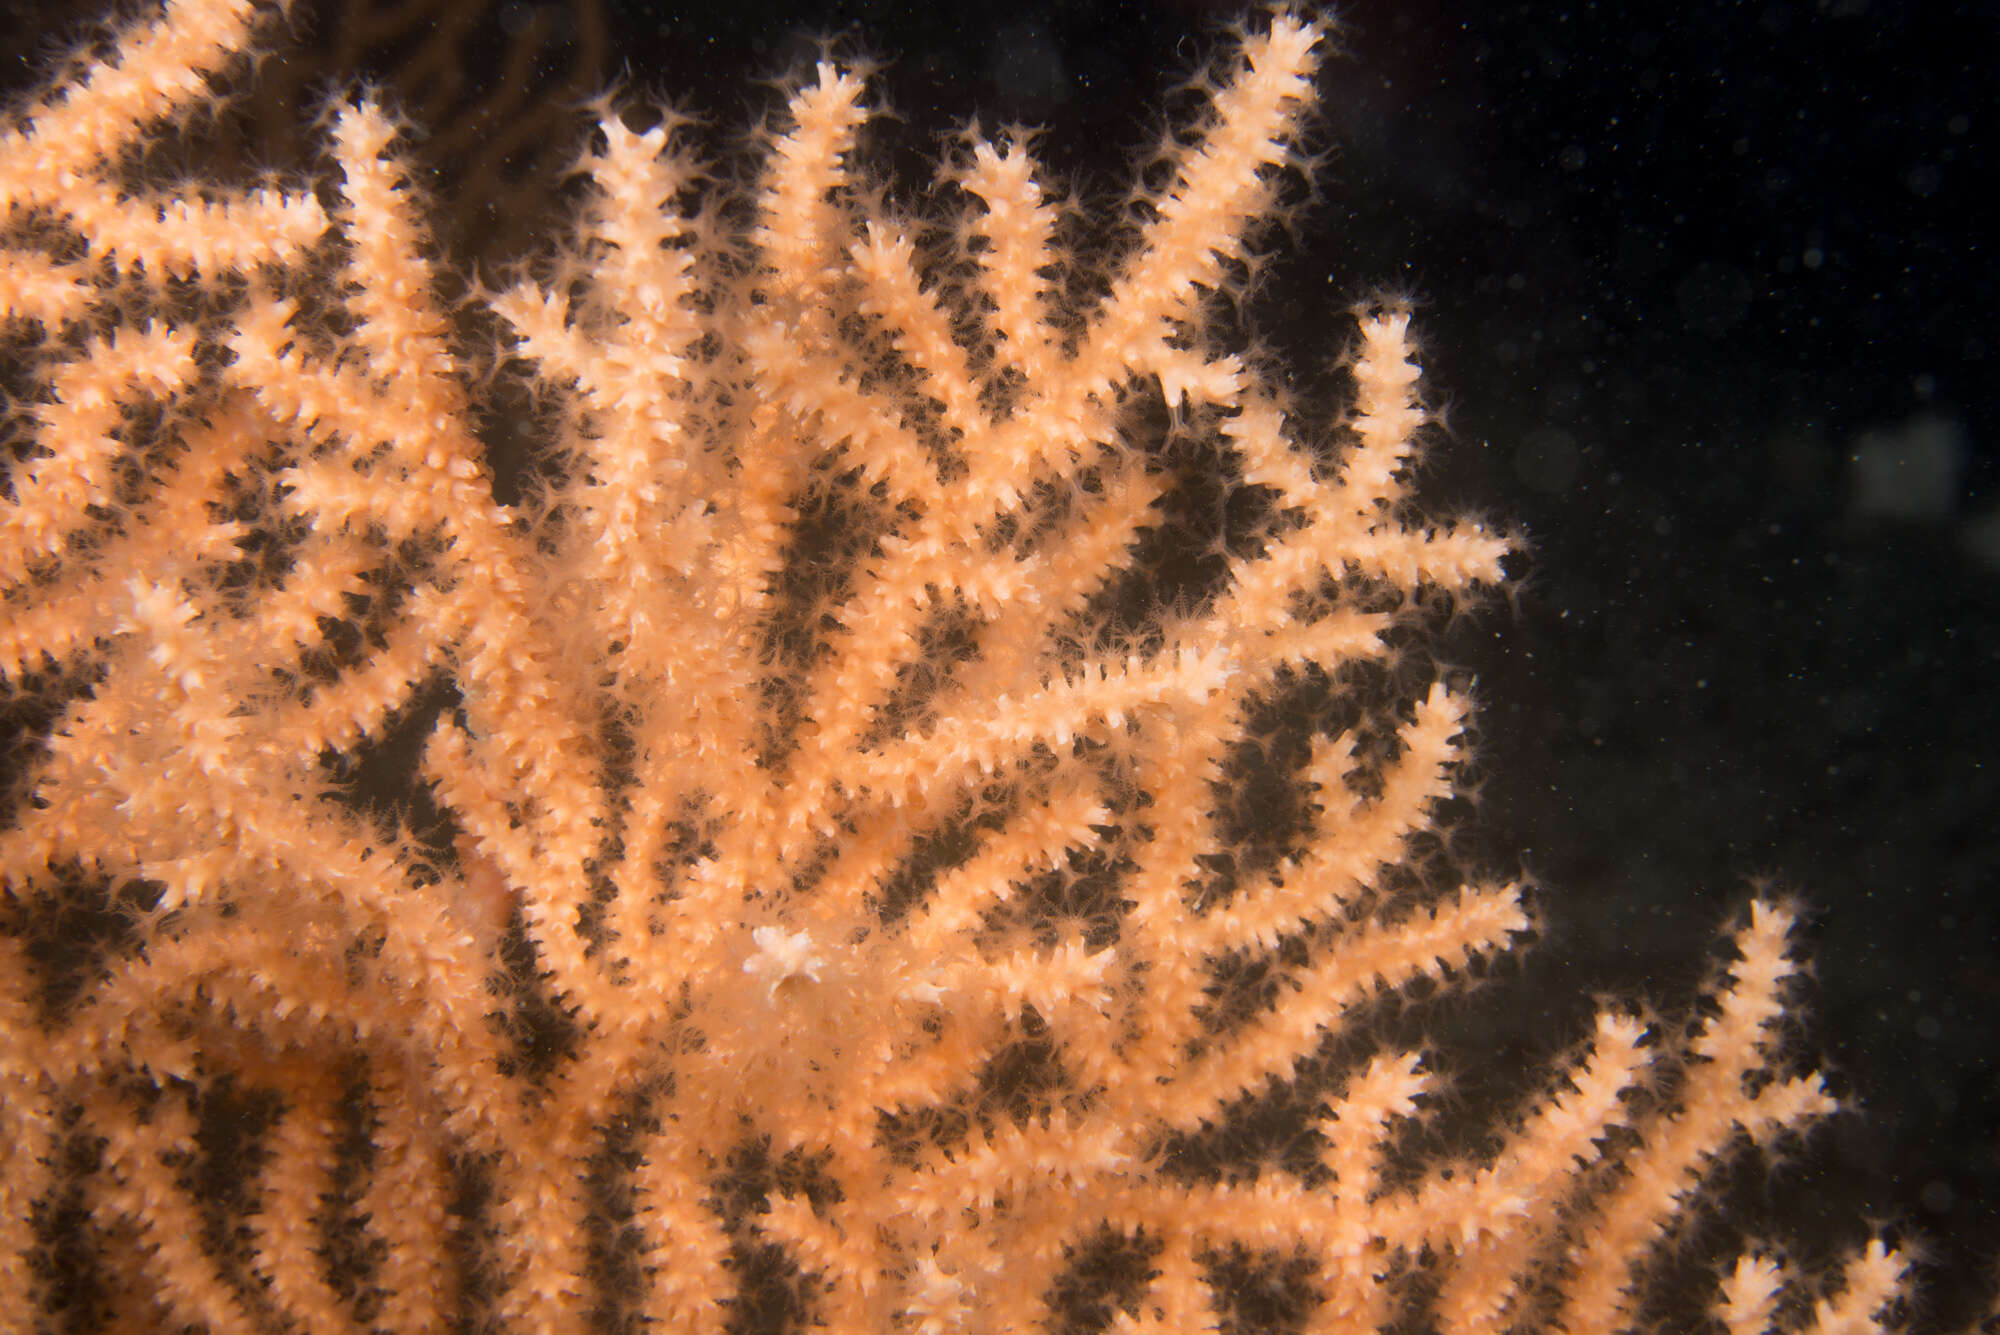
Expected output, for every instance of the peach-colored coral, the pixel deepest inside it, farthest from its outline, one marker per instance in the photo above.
(834, 885)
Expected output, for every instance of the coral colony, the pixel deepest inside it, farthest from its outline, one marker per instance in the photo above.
(833, 879)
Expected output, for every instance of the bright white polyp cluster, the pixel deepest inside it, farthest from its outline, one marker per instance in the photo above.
(782, 956)
(850, 895)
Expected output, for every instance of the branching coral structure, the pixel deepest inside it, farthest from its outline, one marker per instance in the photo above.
(911, 754)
